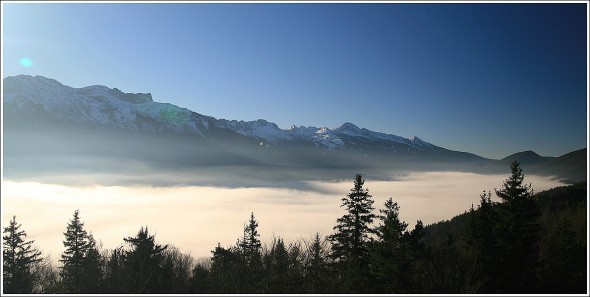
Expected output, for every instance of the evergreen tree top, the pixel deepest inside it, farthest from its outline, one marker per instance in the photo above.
(513, 187)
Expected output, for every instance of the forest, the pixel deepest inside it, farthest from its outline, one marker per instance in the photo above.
(525, 243)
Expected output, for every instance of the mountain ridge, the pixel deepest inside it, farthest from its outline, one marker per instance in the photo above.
(132, 111)
(101, 123)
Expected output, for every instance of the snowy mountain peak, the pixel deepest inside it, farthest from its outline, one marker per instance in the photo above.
(38, 80)
(105, 107)
(133, 97)
(350, 127)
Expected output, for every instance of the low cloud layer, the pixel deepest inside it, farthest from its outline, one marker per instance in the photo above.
(196, 218)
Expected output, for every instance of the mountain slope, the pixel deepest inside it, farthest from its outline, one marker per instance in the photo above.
(33, 99)
(51, 128)
(525, 158)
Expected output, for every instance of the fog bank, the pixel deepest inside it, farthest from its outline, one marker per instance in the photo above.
(196, 218)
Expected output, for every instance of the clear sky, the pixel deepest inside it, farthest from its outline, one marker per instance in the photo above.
(491, 79)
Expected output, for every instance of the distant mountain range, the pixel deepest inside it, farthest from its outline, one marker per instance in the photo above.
(55, 128)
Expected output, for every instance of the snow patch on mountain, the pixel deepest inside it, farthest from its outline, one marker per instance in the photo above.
(101, 105)
(260, 129)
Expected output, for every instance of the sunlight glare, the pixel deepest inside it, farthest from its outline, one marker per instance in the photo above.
(26, 62)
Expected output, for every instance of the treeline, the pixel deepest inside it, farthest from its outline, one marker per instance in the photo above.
(527, 243)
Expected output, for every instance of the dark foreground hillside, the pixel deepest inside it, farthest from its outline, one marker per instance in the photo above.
(562, 252)
(528, 243)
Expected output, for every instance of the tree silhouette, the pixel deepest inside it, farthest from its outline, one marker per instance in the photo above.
(350, 242)
(143, 263)
(200, 280)
(250, 243)
(226, 273)
(518, 236)
(389, 255)
(92, 268)
(18, 259)
(73, 258)
(317, 267)
(481, 236)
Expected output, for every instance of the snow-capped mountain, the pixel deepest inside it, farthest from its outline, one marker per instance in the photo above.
(56, 133)
(98, 106)
(104, 107)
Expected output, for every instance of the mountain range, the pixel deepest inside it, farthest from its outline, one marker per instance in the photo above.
(99, 133)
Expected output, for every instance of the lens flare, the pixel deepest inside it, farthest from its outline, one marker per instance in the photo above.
(26, 62)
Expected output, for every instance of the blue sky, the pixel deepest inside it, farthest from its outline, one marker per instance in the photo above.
(491, 79)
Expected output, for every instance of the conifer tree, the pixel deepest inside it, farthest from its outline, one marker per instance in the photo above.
(226, 275)
(413, 279)
(92, 268)
(73, 258)
(389, 254)
(143, 263)
(277, 265)
(250, 243)
(251, 263)
(481, 237)
(18, 259)
(480, 232)
(513, 188)
(317, 270)
(520, 231)
(114, 278)
(350, 242)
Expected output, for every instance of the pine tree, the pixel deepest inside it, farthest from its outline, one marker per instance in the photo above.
(350, 242)
(391, 228)
(513, 188)
(413, 278)
(143, 263)
(520, 231)
(92, 268)
(114, 278)
(481, 237)
(277, 266)
(73, 258)
(251, 264)
(317, 270)
(239, 269)
(227, 270)
(250, 243)
(389, 253)
(18, 259)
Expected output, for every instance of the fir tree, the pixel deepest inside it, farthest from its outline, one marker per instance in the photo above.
(114, 278)
(226, 273)
(413, 278)
(250, 243)
(277, 264)
(513, 188)
(143, 263)
(73, 258)
(350, 242)
(92, 268)
(18, 259)
(481, 238)
(251, 264)
(389, 254)
(317, 268)
(520, 234)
